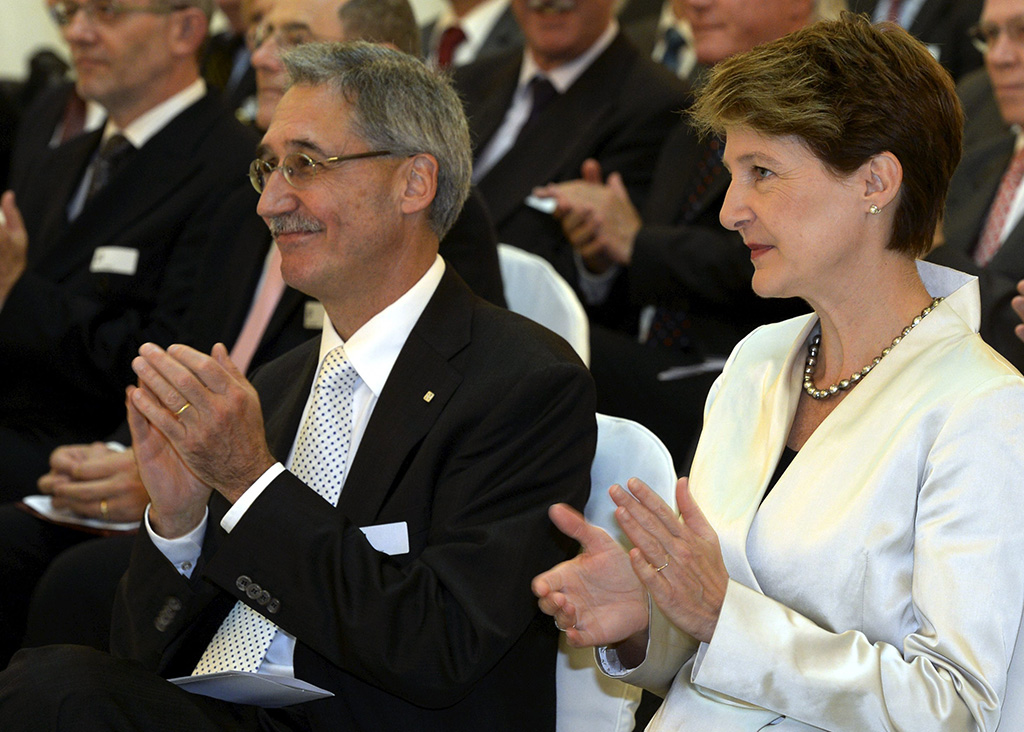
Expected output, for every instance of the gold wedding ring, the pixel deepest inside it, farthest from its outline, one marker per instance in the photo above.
(187, 405)
(658, 569)
(104, 510)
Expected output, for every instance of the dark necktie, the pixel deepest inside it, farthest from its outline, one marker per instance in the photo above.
(674, 44)
(113, 154)
(542, 92)
(670, 327)
(452, 37)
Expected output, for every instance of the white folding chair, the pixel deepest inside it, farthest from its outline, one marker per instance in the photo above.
(533, 288)
(587, 700)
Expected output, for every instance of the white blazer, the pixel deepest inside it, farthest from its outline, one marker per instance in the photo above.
(880, 586)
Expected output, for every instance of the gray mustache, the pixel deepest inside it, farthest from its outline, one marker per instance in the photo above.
(552, 6)
(292, 224)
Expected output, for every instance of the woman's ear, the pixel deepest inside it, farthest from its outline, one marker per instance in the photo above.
(883, 178)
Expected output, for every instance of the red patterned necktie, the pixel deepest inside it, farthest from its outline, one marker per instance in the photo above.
(450, 40)
(992, 235)
(894, 11)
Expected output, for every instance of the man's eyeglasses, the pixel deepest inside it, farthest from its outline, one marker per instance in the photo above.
(985, 35)
(104, 11)
(299, 169)
(287, 36)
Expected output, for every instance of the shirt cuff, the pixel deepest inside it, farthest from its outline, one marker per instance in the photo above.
(235, 513)
(594, 287)
(184, 551)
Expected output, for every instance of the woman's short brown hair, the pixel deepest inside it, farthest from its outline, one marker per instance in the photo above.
(850, 90)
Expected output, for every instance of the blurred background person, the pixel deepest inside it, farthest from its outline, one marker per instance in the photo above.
(940, 24)
(982, 232)
(578, 90)
(858, 473)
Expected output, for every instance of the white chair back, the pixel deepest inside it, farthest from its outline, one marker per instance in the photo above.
(587, 700)
(534, 289)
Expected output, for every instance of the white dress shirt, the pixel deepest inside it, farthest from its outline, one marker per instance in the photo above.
(372, 351)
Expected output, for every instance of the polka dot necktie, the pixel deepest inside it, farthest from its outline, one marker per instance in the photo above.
(320, 459)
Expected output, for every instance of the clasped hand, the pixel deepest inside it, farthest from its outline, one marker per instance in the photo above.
(600, 596)
(196, 425)
(597, 217)
(96, 482)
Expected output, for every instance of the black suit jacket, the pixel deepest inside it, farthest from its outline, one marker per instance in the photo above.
(69, 329)
(971, 192)
(448, 636)
(942, 24)
(618, 111)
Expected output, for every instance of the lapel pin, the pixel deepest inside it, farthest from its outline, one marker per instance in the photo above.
(428, 396)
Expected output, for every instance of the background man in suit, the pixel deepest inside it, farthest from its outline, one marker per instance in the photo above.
(102, 253)
(674, 259)
(579, 90)
(447, 426)
(982, 231)
(470, 29)
(940, 24)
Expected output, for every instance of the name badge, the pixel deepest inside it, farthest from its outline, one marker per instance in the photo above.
(115, 260)
(313, 319)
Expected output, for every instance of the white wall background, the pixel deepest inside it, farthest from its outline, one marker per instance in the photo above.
(24, 29)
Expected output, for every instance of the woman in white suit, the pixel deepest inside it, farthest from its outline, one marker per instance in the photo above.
(861, 469)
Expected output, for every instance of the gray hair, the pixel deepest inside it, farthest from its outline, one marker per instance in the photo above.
(398, 104)
(382, 21)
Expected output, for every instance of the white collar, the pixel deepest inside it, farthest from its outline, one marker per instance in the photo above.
(374, 348)
(140, 130)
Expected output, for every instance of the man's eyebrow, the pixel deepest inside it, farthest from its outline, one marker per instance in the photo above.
(263, 150)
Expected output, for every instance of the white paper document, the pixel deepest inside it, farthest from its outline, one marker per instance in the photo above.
(43, 505)
(260, 690)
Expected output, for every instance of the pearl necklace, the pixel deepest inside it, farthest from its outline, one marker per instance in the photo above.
(812, 360)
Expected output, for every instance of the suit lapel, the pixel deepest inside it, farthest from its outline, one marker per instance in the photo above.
(489, 97)
(775, 388)
(416, 392)
(60, 173)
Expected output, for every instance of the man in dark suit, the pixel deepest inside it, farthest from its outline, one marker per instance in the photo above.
(467, 30)
(596, 97)
(982, 232)
(673, 263)
(99, 253)
(231, 306)
(940, 24)
(451, 427)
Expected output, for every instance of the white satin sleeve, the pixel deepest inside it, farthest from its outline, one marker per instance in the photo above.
(950, 671)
